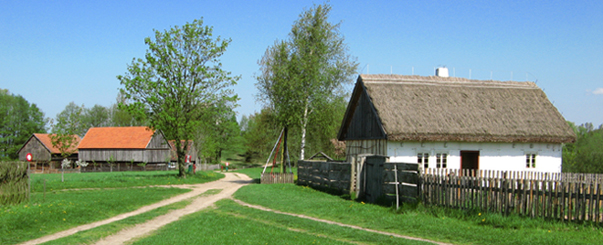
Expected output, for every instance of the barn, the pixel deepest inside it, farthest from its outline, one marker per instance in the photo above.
(455, 123)
(44, 154)
(123, 145)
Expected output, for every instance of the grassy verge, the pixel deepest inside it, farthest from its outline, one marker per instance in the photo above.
(118, 179)
(231, 223)
(430, 223)
(62, 210)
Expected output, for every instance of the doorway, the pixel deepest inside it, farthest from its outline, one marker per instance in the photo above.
(469, 160)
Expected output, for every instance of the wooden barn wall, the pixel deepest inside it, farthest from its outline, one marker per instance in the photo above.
(37, 150)
(158, 141)
(156, 155)
(356, 147)
(125, 155)
(365, 123)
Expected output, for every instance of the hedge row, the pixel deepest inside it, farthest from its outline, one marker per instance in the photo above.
(13, 183)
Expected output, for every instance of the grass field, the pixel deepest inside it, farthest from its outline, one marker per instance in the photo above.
(61, 207)
(61, 210)
(118, 179)
(231, 223)
(93, 235)
(431, 223)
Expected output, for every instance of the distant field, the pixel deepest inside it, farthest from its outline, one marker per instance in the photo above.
(118, 179)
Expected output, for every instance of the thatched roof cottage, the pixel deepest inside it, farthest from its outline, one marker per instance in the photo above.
(123, 145)
(457, 123)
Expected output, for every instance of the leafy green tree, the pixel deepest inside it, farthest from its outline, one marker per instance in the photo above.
(302, 76)
(18, 121)
(260, 131)
(71, 120)
(586, 154)
(65, 131)
(177, 81)
(121, 117)
(220, 133)
(97, 116)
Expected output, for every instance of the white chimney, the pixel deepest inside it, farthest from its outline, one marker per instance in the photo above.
(442, 72)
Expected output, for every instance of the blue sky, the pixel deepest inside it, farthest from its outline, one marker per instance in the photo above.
(55, 52)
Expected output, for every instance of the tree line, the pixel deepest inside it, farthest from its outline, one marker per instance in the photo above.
(586, 154)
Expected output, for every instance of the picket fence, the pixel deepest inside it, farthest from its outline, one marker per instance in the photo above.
(561, 196)
(276, 178)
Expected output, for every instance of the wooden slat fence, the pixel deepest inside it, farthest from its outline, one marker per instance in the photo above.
(276, 178)
(331, 175)
(561, 196)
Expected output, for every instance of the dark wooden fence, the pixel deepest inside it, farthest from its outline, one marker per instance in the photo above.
(561, 196)
(392, 181)
(574, 197)
(320, 174)
(276, 178)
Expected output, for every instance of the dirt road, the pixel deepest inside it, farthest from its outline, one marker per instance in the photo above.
(229, 184)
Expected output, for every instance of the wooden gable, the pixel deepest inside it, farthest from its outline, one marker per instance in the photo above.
(37, 149)
(361, 120)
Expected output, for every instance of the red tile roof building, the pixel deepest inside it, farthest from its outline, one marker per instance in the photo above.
(124, 144)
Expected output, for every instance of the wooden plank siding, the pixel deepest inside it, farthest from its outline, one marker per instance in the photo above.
(325, 175)
(158, 141)
(365, 123)
(357, 147)
(125, 155)
(38, 151)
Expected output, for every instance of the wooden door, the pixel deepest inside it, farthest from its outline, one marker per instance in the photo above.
(469, 160)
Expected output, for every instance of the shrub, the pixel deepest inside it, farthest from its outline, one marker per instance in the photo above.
(13, 183)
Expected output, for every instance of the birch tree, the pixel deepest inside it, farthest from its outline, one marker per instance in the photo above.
(178, 79)
(300, 76)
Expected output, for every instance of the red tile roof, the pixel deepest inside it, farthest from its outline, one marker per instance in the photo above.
(117, 138)
(47, 142)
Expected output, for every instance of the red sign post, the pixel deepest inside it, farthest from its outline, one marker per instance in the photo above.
(29, 157)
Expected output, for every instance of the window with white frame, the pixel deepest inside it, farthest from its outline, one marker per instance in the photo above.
(423, 158)
(441, 160)
(530, 160)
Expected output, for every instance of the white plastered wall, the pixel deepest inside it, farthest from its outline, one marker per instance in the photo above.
(492, 156)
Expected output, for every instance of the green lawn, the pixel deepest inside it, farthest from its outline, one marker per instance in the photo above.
(231, 223)
(431, 223)
(61, 210)
(118, 179)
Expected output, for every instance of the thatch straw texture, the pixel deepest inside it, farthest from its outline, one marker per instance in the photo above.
(418, 108)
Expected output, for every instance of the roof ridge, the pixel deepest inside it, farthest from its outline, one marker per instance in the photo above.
(448, 81)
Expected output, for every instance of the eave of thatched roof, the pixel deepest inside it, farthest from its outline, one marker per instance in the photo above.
(418, 108)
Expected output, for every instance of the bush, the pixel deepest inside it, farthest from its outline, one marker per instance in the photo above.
(13, 183)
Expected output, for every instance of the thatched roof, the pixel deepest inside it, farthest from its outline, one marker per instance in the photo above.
(418, 108)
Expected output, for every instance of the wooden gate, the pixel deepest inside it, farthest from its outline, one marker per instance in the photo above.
(373, 177)
(390, 180)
